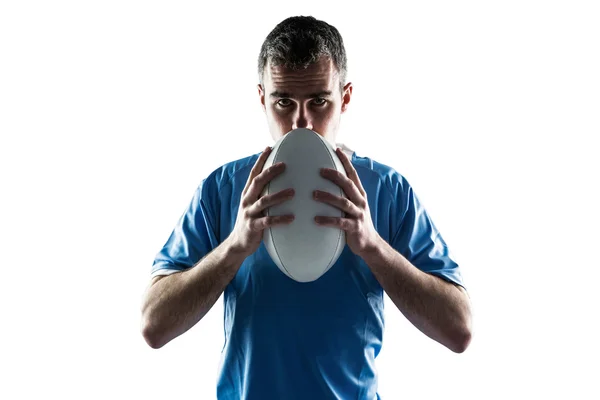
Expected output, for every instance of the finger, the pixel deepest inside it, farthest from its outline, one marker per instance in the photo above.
(345, 224)
(350, 170)
(341, 203)
(263, 223)
(346, 184)
(270, 200)
(261, 180)
(257, 168)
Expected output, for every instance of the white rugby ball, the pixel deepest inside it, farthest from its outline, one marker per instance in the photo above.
(303, 250)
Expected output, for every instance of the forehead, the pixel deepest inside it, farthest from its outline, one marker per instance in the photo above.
(320, 76)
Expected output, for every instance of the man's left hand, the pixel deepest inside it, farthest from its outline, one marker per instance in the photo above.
(361, 235)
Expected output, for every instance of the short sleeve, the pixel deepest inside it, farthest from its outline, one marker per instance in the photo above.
(192, 238)
(419, 241)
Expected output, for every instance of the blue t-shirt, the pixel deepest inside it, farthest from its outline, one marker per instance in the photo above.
(316, 340)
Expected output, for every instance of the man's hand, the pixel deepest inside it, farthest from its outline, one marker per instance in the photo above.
(250, 223)
(361, 235)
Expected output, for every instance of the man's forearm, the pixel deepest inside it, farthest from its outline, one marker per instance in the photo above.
(436, 307)
(177, 302)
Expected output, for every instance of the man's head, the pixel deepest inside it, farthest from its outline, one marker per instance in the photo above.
(302, 72)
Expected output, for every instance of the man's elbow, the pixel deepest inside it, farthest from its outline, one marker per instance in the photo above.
(151, 335)
(461, 340)
(463, 331)
(148, 325)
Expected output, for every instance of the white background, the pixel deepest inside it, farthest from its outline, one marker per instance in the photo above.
(112, 112)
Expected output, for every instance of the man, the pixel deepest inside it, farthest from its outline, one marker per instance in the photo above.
(317, 340)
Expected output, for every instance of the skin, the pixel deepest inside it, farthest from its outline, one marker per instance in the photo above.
(289, 102)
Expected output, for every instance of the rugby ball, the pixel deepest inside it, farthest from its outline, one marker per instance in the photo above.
(304, 250)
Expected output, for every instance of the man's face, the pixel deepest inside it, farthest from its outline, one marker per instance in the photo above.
(308, 98)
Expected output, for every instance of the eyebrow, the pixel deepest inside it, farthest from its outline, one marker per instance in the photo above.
(281, 95)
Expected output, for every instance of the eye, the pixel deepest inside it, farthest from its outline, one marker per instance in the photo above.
(284, 103)
(320, 101)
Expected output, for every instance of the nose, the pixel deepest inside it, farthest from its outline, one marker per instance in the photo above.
(302, 119)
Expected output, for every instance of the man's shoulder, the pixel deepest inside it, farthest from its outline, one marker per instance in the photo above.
(373, 170)
(226, 173)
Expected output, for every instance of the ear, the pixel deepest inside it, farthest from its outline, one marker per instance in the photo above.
(346, 96)
(261, 94)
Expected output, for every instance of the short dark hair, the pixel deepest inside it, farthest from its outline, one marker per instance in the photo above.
(298, 42)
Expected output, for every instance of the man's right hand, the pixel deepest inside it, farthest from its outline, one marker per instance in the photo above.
(251, 221)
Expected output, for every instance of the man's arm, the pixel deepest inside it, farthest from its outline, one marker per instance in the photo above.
(174, 303)
(439, 309)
